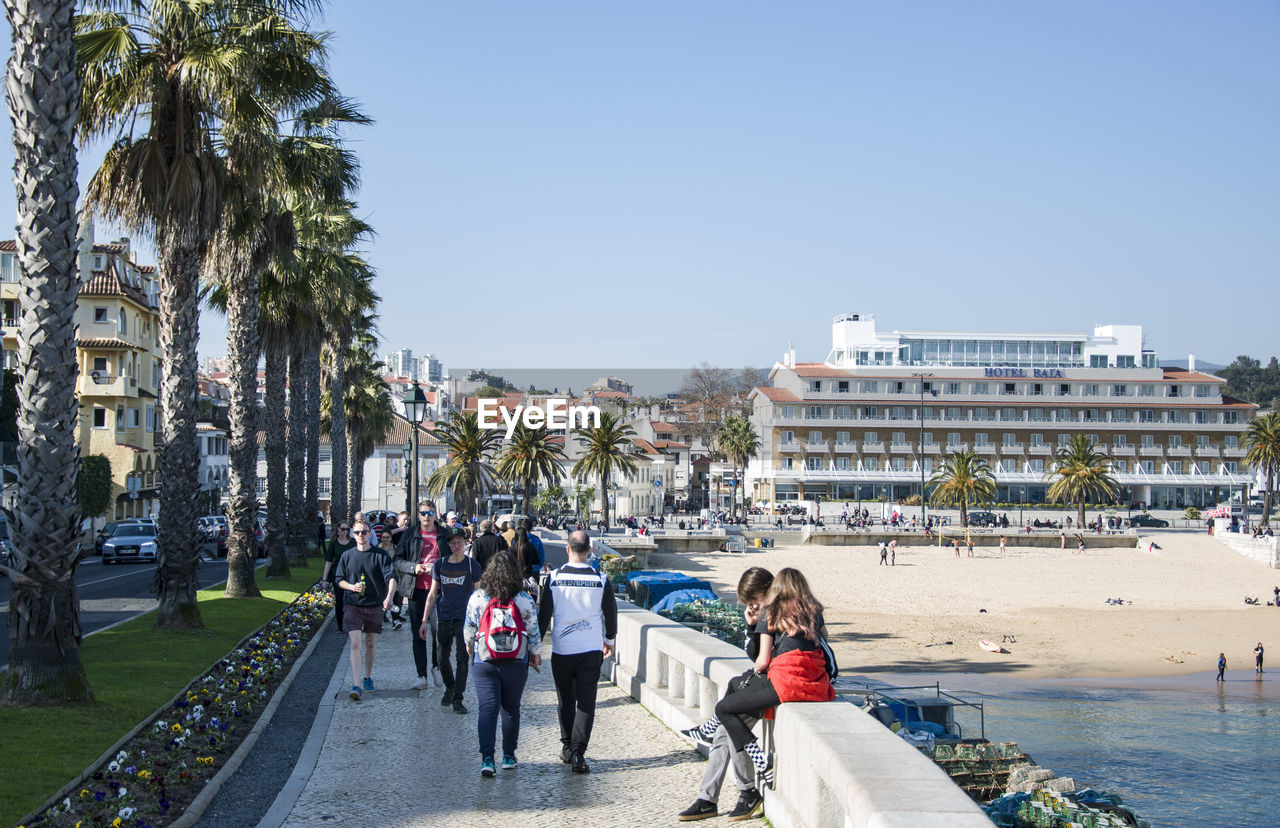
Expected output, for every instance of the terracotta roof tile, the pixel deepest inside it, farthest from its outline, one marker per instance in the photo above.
(1188, 376)
(107, 284)
(107, 343)
(819, 369)
(660, 427)
(777, 394)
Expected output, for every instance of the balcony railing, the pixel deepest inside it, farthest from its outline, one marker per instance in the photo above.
(902, 448)
(1012, 448)
(1179, 451)
(873, 447)
(1208, 451)
(1151, 451)
(1127, 451)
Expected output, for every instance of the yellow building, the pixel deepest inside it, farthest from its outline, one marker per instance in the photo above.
(117, 355)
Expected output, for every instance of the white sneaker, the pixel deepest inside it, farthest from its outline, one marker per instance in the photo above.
(434, 681)
(420, 684)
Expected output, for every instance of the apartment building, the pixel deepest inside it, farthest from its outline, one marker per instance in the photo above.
(881, 412)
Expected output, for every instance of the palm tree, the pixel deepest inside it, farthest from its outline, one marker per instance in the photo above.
(1082, 474)
(1262, 440)
(963, 479)
(532, 456)
(739, 443)
(370, 417)
(467, 473)
(351, 323)
(44, 619)
(717, 480)
(608, 449)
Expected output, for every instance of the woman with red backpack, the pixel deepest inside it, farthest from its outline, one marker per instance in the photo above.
(501, 631)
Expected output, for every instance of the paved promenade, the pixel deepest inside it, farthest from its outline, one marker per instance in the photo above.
(399, 758)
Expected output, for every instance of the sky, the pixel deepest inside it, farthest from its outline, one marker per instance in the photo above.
(658, 184)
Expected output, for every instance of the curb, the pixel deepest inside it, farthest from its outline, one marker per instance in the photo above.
(292, 789)
(198, 805)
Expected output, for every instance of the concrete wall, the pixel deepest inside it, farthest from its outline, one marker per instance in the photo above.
(835, 765)
(1262, 550)
(983, 538)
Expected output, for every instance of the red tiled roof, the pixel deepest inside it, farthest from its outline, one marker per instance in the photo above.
(111, 247)
(819, 369)
(645, 446)
(777, 394)
(131, 447)
(106, 343)
(1184, 375)
(1236, 402)
(662, 427)
(609, 394)
(664, 444)
(107, 284)
(9, 246)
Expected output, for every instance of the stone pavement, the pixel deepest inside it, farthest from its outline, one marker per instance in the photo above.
(399, 758)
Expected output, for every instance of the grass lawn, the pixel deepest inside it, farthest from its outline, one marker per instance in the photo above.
(133, 669)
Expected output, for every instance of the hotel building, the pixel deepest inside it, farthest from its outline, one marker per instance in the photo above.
(884, 409)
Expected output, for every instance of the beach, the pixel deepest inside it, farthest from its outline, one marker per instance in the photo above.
(1184, 603)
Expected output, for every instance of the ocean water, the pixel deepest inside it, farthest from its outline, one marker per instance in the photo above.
(1181, 752)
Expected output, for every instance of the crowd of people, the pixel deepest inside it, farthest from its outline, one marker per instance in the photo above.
(470, 599)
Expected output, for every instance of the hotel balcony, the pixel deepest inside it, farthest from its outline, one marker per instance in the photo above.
(1013, 448)
(817, 448)
(792, 446)
(1208, 451)
(1124, 451)
(932, 448)
(985, 448)
(902, 448)
(876, 448)
(849, 447)
(1179, 451)
(107, 385)
(952, 448)
(1233, 452)
(1151, 451)
(1041, 450)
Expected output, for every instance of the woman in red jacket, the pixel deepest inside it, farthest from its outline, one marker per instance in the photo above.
(790, 666)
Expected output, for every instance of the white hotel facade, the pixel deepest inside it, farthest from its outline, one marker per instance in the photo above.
(885, 408)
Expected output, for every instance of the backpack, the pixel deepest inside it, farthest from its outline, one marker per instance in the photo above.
(502, 635)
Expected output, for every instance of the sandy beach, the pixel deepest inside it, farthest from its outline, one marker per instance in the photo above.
(1185, 604)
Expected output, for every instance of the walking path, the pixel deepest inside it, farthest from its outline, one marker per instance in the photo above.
(398, 757)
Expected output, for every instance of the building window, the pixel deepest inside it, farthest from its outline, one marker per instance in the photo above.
(1175, 441)
(953, 388)
(1036, 464)
(1173, 391)
(99, 417)
(1202, 441)
(1010, 388)
(1037, 389)
(842, 464)
(815, 463)
(135, 418)
(788, 437)
(979, 388)
(871, 464)
(1231, 441)
(815, 386)
(815, 412)
(842, 386)
(1148, 466)
(842, 438)
(868, 386)
(1119, 466)
(1035, 439)
(928, 465)
(788, 464)
(119, 418)
(871, 437)
(1147, 415)
(1146, 390)
(843, 412)
(1230, 417)
(1009, 439)
(261, 485)
(871, 412)
(980, 439)
(1202, 416)
(1175, 467)
(1118, 440)
(323, 485)
(1148, 441)
(981, 414)
(1097, 360)
(953, 438)
(100, 364)
(928, 438)
(787, 412)
(1089, 389)
(815, 437)
(1119, 390)
(1202, 466)
(1204, 390)
(1231, 466)
(1064, 390)
(899, 438)
(153, 421)
(899, 464)
(1125, 361)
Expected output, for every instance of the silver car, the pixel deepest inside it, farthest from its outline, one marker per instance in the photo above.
(133, 542)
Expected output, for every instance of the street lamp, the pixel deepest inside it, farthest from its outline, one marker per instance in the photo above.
(922, 377)
(415, 408)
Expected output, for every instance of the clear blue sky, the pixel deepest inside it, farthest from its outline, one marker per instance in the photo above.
(656, 184)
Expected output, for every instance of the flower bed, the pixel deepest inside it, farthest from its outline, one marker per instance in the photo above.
(158, 772)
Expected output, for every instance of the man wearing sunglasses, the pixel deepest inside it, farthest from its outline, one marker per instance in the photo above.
(418, 548)
(366, 575)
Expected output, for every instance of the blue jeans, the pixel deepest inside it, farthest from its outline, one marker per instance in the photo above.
(499, 685)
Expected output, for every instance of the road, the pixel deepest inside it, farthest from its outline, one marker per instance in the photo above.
(109, 594)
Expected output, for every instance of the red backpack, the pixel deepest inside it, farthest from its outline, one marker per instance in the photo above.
(502, 635)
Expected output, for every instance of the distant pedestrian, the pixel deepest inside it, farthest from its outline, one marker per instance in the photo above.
(488, 544)
(1222, 666)
(955, 544)
(1257, 658)
(366, 574)
(893, 552)
(1277, 592)
(884, 554)
(1002, 542)
(969, 547)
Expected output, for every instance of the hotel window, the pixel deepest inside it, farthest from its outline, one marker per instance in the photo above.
(1118, 440)
(898, 412)
(1202, 441)
(842, 438)
(814, 463)
(1231, 466)
(815, 412)
(1146, 390)
(899, 438)
(1090, 415)
(1148, 441)
(1119, 390)
(868, 386)
(928, 465)
(815, 386)
(897, 387)
(1202, 416)
(981, 414)
(1119, 466)
(1065, 415)
(1097, 360)
(1204, 391)
(1035, 439)
(953, 388)
(1173, 391)
(953, 438)
(1231, 441)
(123, 324)
(1064, 439)
(1010, 415)
(843, 412)
(788, 437)
(979, 388)
(980, 439)
(1175, 441)
(1146, 415)
(1125, 361)
(954, 413)
(1202, 466)
(1009, 439)
(1089, 389)
(1175, 417)
(815, 437)
(1037, 389)
(1010, 388)
(1148, 466)
(871, 412)
(153, 421)
(1092, 439)
(99, 314)
(899, 464)
(870, 436)
(119, 418)
(1036, 464)
(323, 485)
(1064, 390)
(1175, 467)
(135, 418)
(99, 417)
(842, 464)
(786, 412)
(1119, 415)
(1230, 417)
(842, 386)
(928, 438)
(788, 463)
(871, 464)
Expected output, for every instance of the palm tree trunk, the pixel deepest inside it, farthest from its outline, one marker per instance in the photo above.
(275, 369)
(338, 438)
(296, 464)
(177, 546)
(355, 472)
(964, 515)
(1080, 514)
(243, 347)
(313, 442)
(44, 621)
(604, 497)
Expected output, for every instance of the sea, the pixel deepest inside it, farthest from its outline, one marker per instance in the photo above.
(1181, 751)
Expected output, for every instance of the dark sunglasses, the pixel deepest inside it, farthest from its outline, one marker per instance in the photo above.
(344, 528)
(360, 532)
(425, 512)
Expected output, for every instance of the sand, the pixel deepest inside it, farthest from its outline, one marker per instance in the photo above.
(1184, 605)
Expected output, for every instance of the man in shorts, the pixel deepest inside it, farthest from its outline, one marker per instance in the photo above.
(368, 580)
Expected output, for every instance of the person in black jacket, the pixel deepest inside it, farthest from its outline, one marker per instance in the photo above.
(488, 544)
(418, 548)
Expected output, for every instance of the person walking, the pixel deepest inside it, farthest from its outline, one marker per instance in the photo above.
(1002, 543)
(487, 544)
(366, 574)
(753, 587)
(884, 553)
(452, 581)
(577, 604)
(893, 552)
(416, 553)
(1257, 658)
(339, 543)
(500, 671)
(526, 557)
(1222, 666)
(393, 617)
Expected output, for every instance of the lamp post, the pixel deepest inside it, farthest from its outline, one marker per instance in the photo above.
(415, 408)
(923, 509)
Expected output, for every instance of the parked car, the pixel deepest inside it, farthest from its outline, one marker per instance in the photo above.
(215, 528)
(1148, 521)
(982, 519)
(111, 529)
(131, 542)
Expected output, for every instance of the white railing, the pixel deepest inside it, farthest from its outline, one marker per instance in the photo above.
(835, 765)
